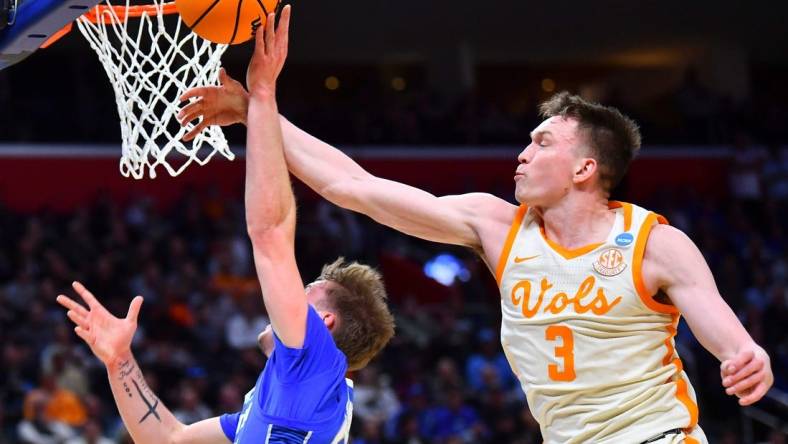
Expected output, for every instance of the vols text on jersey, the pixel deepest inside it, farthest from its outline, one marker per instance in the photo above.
(599, 305)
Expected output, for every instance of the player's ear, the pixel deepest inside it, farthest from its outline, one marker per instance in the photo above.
(584, 169)
(330, 319)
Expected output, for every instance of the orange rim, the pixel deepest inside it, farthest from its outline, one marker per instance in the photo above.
(125, 12)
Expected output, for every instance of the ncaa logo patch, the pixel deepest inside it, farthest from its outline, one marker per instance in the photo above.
(624, 239)
(610, 262)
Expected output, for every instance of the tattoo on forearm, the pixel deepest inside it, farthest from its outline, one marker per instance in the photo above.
(144, 385)
(127, 389)
(125, 369)
(151, 407)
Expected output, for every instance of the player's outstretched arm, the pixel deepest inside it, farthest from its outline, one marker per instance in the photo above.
(674, 264)
(458, 220)
(270, 205)
(335, 176)
(109, 338)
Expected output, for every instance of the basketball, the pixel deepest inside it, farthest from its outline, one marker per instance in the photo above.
(225, 21)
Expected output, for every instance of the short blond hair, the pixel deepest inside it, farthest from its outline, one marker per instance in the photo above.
(359, 299)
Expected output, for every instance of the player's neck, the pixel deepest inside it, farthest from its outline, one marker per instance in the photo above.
(577, 220)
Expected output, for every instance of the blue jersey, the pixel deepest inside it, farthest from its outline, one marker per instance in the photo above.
(301, 396)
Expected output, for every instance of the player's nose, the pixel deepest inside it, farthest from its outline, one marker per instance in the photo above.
(524, 156)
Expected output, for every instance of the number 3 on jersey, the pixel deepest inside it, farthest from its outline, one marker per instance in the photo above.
(565, 351)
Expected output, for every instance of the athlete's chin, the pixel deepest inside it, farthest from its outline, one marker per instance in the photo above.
(522, 197)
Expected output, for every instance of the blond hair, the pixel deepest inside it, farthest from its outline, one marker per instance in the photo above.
(359, 299)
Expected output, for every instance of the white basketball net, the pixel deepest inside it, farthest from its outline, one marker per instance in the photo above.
(150, 67)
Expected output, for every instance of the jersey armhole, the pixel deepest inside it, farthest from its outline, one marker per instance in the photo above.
(637, 265)
(507, 246)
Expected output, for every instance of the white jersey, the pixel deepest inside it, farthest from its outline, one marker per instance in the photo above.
(593, 351)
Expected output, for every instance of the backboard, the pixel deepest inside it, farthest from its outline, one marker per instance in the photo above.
(32, 23)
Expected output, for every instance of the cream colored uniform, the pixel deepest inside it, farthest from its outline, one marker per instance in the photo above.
(592, 350)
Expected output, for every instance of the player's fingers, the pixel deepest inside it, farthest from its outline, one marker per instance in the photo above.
(86, 295)
(84, 334)
(223, 77)
(751, 367)
(195, 92)
(742, 386)
(259, 43)
(190, 111)
(76, 318)
(754, 396)
(270, 24)
(134, 309)
(70, 304)
(724, 366)
(283, 30)
(191, 116)
(740, 360)
(196, 130)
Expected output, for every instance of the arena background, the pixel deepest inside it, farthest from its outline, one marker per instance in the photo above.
(441, 95)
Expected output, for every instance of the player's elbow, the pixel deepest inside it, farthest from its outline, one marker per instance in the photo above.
(349, 192)
(270, 220)
(267, 235)
(267, 231)
(177, 435)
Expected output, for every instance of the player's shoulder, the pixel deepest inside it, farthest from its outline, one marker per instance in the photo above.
(489, 206)
(666, 236)
(666, 245)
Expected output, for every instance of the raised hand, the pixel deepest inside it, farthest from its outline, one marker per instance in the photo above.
(223, 105)
(270, 52)
(748, 375)
(107, 336)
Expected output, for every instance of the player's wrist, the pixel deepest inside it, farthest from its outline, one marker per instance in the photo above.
(244, 109)
(115, 362)
(262, 93)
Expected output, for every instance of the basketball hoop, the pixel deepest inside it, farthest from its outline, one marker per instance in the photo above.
(149, 66)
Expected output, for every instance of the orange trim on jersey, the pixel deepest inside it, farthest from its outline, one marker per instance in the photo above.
(690, 440)
(565, 252)
(627, 212)
(683, 396)
(507, 246)
(575, 252)
(637, 264)
(682, 393)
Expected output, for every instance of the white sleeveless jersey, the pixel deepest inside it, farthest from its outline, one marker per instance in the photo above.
(592, 350)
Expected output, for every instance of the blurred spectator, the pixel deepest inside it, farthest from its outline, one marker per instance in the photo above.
(248, 321)
(488, 369)
(446, 379)
(66, 361)
(40, 428)
(60, 404)
(373, 399)
(190, 409)
(371, 433)
(230, 398)
(455, 419)
(746, 170)
(91, 434)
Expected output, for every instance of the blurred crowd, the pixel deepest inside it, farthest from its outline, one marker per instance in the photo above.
(366, 110)
(443, 379)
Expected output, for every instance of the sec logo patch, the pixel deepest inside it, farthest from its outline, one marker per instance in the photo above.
(610, 262)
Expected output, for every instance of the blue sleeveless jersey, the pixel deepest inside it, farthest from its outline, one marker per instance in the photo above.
(301, 396)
